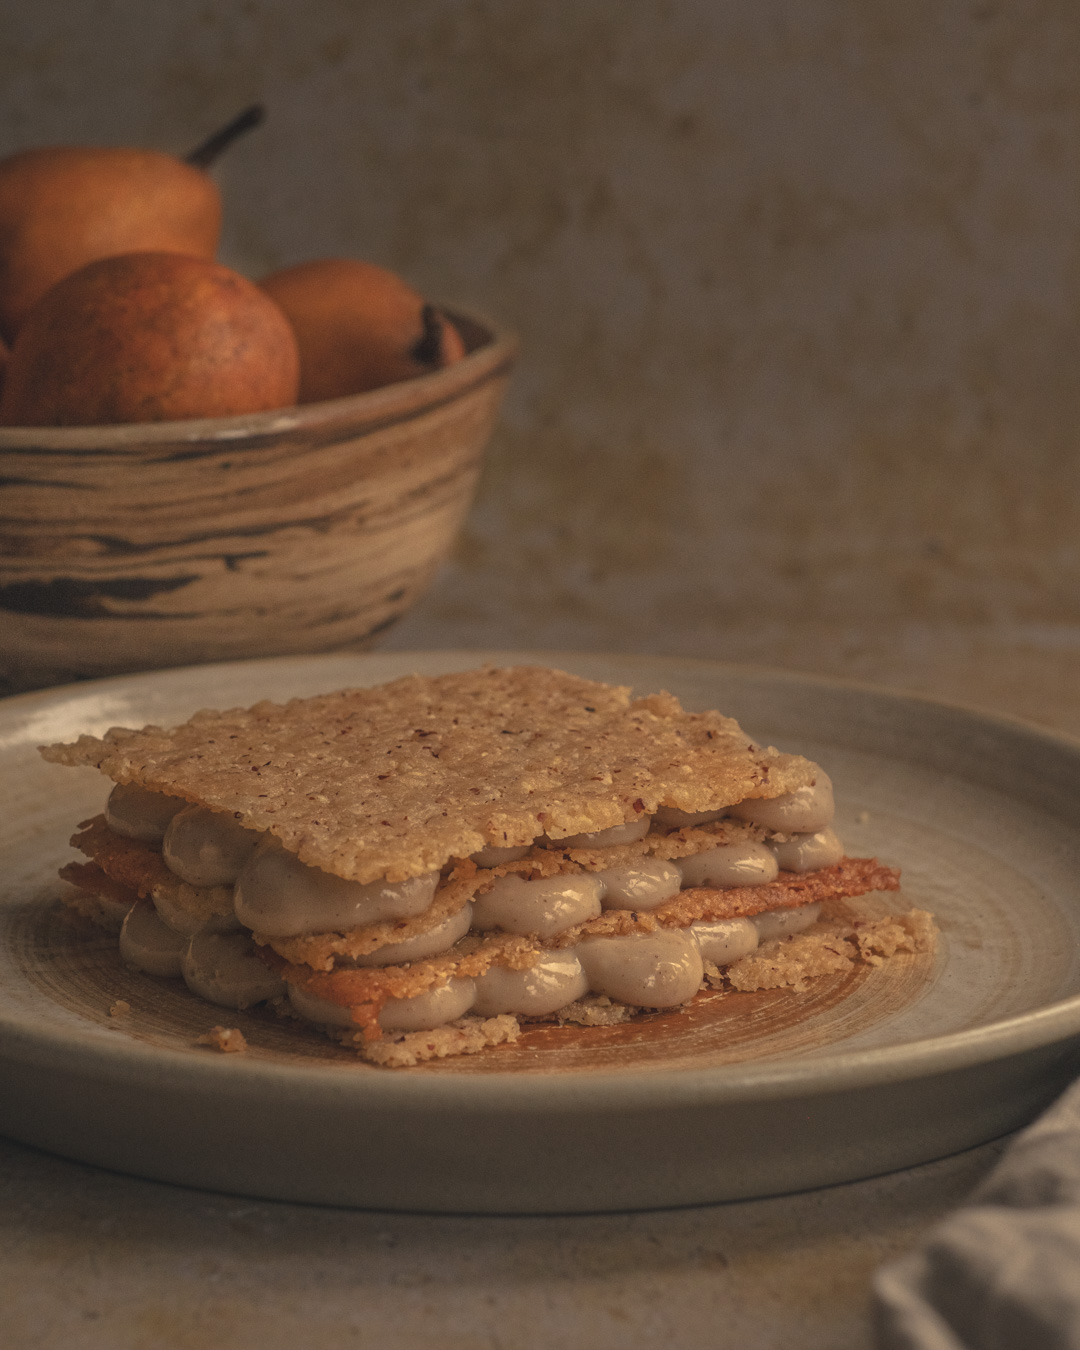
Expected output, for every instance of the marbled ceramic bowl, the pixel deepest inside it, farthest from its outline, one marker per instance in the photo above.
(305, 529)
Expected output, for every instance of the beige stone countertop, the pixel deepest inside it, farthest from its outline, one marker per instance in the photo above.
(94, 1261)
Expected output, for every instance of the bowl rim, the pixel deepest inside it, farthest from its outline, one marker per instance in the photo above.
(495, 352)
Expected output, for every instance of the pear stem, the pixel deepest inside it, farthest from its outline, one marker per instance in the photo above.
(427, 350)
(204, 155)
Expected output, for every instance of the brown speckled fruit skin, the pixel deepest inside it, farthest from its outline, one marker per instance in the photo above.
(149, 337)
(64, 206)
(358, 327)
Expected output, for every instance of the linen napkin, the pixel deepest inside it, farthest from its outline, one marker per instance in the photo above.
(1003, 1272)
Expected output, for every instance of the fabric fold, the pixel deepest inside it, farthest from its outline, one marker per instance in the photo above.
(1003, 1272)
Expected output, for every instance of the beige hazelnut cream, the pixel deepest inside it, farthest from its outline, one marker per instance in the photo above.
(319, 1010)
(551, 984)
(722, 941)
(497, 857)
(137, 813)
(206, 849)
(808, 852)
(778, 923)
(147, 944)
(675, 819)
(225, 968)
(746, 864)
(641, 885)
(806, 810)
(421, 1013)
(430, 1009)
(628, 833)
(435, 940)
(184, 922)
(280, 896)
(654, 970)
(544, 907)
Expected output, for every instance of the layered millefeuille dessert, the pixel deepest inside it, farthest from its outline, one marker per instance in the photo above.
(419, 868)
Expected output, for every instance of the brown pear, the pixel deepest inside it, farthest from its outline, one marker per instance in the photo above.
(149, 337)
(359, 327)
(63, 206)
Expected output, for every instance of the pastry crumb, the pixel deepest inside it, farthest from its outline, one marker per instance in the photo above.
(466, 1036)
(835, 943)
(120, 1008)
(791, 962)
(594, 1010)
(229, 1040)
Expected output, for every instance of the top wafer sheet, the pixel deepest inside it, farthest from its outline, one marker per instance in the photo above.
(395, 781)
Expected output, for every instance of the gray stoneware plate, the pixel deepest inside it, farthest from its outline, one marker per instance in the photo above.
(746, 1095)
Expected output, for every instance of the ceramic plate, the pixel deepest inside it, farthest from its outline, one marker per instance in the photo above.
(745, 1095)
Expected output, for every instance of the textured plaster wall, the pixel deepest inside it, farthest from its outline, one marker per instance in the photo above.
(797, 280)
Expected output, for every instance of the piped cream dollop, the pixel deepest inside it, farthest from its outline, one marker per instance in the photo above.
(723, 941)
(639, 885)
(745, 864)
(424, 1012)
(809, 852)
(280, 896)
(652, 970)
(779, 923)
(137, 813)
(224, 968)
(497, 855)
(628, 833)
(542, 907)
(183, 921)
(675, 819)
(432, 943)
(803, 811)
(555, 981)
(148, 944)
(204, 848)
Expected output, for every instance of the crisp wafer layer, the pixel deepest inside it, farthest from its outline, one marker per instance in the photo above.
(666, 845)
(141, 867)
(366, 991)
(395, 781)
(849, 877)
(95, 896)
